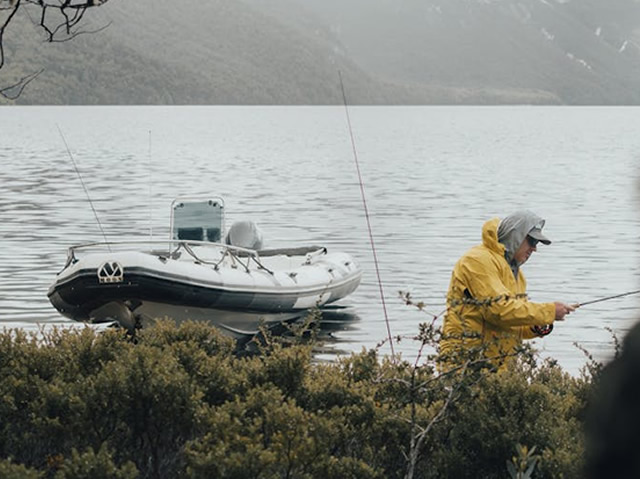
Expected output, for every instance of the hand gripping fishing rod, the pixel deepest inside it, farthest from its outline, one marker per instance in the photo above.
(577, 305)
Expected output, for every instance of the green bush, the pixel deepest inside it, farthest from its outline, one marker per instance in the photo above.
(91, 465)
(179, 402)
(9, 470)
(522, 405)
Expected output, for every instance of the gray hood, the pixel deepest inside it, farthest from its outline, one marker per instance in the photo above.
(512, 231)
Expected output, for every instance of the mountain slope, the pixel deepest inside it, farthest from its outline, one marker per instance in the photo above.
(570, 49)
(290, 52)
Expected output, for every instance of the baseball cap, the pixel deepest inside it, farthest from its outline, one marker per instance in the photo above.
(536, 233)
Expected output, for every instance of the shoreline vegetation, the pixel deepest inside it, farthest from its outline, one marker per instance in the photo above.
(181, 402)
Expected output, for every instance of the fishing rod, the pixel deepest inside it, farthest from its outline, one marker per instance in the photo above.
(75, 166)
(366, 213)
(577, 305)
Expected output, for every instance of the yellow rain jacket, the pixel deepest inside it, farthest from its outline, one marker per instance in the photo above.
(483, 275)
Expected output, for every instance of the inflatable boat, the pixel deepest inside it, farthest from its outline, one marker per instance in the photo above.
(201, 273)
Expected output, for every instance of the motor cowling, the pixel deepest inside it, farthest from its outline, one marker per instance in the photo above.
(244, 234)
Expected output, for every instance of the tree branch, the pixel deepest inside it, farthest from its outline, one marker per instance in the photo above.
(58, 20)
(13, 7)
(20, 85)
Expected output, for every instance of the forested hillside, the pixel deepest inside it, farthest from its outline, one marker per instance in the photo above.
(290, 52)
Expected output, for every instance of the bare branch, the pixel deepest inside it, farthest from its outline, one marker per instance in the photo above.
(58, 19)
(68, 17)
(73, 35)
(13, 8)
(20, 85)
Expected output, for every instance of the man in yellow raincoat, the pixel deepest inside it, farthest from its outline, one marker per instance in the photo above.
(487, 303)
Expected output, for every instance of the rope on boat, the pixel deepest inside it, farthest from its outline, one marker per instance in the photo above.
(366, 213)
(234, 259)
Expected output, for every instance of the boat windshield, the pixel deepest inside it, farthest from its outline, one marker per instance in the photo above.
(197, 220)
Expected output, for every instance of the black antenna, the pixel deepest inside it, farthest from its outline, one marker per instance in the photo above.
(95, 213)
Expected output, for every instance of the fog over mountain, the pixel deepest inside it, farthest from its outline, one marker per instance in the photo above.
(290, 52)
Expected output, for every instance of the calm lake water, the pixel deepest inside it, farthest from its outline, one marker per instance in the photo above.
(432, 176)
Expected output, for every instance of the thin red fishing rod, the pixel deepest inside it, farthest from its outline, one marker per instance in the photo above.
(366, 213)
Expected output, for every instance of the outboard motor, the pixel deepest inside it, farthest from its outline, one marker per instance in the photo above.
(244, 234)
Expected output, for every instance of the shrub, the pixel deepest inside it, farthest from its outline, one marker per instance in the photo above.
(9, 470)
(180, 402)
(522, 405)
(92, 465)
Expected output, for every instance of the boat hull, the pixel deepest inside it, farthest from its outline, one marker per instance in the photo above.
(141, 288)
